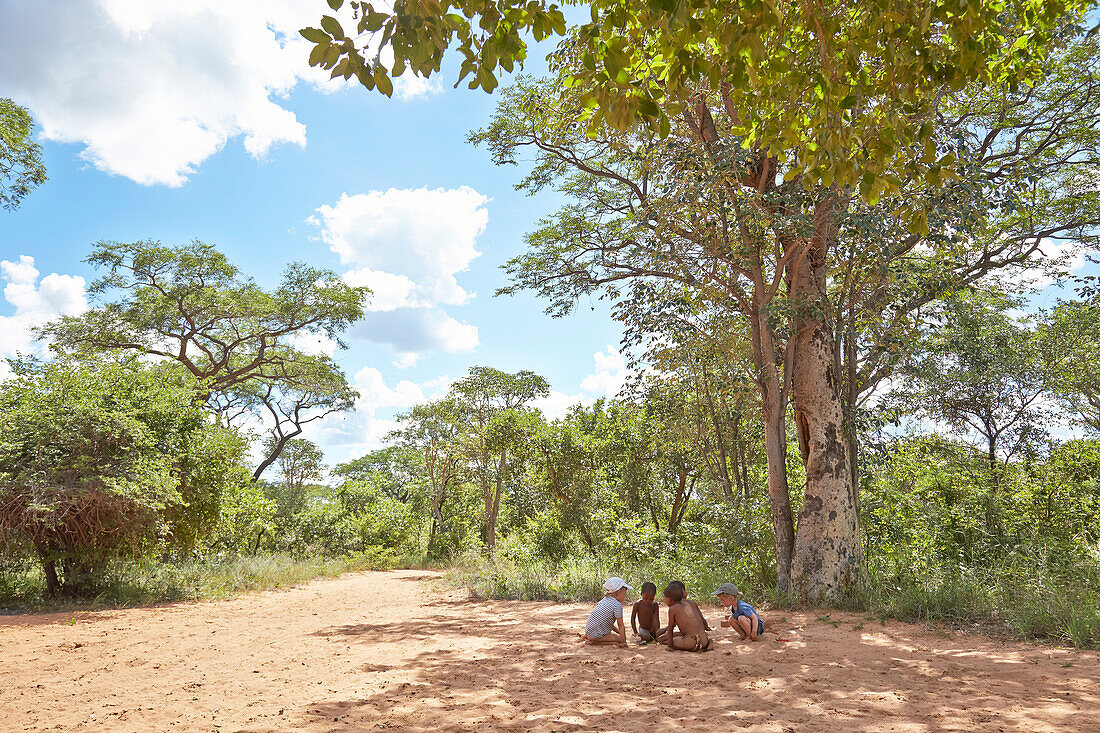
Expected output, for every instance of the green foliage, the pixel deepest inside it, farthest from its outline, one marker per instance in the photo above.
(102, 458)
(133, 583)
(21, 166)
(839, 94)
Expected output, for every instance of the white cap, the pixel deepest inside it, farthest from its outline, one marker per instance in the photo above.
(614, 584)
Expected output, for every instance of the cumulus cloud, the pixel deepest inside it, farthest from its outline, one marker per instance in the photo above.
(152, 88)
(426, 235)
(35, 302)
(408, 246)
(610, 375)
(412, 332)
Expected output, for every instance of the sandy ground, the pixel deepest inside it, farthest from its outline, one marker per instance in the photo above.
(400, 651)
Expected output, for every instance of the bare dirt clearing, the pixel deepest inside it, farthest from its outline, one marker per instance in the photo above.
(399, 651)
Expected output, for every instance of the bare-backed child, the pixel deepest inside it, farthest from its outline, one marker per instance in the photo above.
(685, 624)
(743, 618)
(605, 623)
(662, 635)
(645, 618)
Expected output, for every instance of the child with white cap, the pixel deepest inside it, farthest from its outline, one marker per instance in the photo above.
(607, 615)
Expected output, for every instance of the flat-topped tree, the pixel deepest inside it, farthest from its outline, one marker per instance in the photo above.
(239, 341)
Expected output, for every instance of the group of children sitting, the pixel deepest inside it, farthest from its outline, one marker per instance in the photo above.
(687, 629)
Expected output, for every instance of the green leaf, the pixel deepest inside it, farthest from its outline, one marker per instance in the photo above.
(382, 79)
(314, 35)
(332, 26)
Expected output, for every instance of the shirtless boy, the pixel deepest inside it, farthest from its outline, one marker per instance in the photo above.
(685, 624)
(662, 634)
(646, 614)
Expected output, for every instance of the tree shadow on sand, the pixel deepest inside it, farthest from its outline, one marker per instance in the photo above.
(490, 671)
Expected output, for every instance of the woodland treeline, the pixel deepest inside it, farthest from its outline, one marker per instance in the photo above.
(819, 254)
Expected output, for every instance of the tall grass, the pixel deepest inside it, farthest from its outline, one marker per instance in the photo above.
(1025, 603)
(581, 577)
(142, 583)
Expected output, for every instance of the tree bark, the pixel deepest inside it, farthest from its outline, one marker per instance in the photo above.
(828, 554)
(53, 583)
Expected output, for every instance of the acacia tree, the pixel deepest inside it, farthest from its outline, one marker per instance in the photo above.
(1070, 333)
(21, 166)
(980, 371)
(189, 304)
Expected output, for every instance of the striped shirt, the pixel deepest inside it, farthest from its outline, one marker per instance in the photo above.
(601, 621)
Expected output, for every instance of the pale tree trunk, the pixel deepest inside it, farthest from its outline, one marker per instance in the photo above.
(772, 400)
(828, 554)
(492, 504)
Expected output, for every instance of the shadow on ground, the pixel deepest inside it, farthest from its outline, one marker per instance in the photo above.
(516, 666)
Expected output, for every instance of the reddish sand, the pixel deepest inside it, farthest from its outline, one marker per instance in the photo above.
(399, 651)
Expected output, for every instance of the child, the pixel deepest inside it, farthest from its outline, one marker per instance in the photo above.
(691, 637)
(662, 633)
(743, 617)
(599, 629)
(647, 614)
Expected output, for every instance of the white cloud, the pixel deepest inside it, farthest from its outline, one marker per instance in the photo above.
(389, 291)
(36, 302)
(610, 375)
(152, 88)
(364, 428)
(408, 246)
(412, 332)
(425, 235)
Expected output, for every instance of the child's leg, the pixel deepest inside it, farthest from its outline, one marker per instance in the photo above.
(612, 638)
(646, 634)
(743, 626)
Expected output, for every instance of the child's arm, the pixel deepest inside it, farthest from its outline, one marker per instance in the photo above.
(622, 631)
(754, 624)
(634, 619)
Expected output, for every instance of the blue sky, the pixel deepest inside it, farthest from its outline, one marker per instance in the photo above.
(157, 133)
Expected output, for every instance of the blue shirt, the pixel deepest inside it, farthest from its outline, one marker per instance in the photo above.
(742, 609)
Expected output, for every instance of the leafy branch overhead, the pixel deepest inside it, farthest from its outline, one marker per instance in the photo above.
(838, 92)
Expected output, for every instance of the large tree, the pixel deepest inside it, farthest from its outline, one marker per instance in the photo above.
(189, 304)
(838, 99)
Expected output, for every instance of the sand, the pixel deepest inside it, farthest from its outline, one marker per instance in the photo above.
(400, 651)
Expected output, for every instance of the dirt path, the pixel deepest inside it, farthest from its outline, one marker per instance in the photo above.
(393, 651)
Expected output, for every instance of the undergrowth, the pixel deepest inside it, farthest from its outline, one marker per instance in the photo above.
(141, 583)
(1004, 600)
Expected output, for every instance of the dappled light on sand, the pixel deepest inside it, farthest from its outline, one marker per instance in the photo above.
(402, 651)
